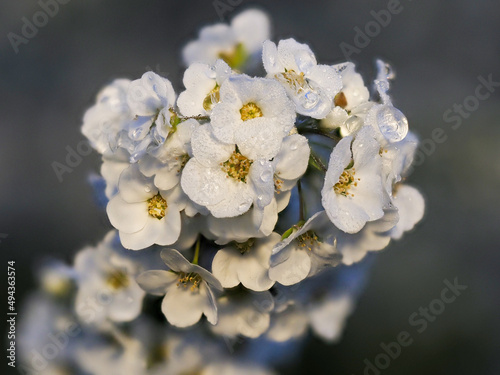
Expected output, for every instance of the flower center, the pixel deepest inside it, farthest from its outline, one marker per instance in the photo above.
(186, 279)
(212, 98)
(244, 247)
(236, 57)
(237, 166)
(157, 206)
(117, 280)
(297, 82)
(307, 240)
(250, 111)
(346, 181)
(340, 100)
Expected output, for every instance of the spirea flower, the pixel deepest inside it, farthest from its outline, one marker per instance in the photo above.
(143, 214)
(237, 44)
(353, 193)
(312, 87)
(186, 287)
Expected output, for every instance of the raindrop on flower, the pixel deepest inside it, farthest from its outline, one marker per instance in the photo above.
(266, 176)
(392, 123)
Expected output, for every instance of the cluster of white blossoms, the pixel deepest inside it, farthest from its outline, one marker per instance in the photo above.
(250, 202)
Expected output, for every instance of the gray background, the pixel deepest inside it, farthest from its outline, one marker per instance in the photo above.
(439, 48)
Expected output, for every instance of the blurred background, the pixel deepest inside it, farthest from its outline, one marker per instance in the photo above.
(439, 50)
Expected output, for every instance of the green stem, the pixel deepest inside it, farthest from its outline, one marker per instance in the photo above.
(317, 162)
(197, 251)
(302, 205)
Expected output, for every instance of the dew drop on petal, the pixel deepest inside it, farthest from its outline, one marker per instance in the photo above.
(147, 189)
(309, 100)
(266, 175)
(392, 123)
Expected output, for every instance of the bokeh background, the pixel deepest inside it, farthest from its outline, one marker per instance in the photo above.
(438, 48)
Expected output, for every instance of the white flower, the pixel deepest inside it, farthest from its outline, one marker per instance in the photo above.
(353, 192)
(111, 169)
(187, 290)
(244, 314)
(202, 84)
(303, 253)
(312, 87)
(254, 113)
(351, 104)
(107, 278)
(225, 179)
(328, 316)
(411, 208)
(289, 324)
(143, 214)
(237, 44)
(255, 223)
(167, 161)
(397, 159)
(107, 118)
(374, 236)
(291, 162)
(150, 99)
(246, 263)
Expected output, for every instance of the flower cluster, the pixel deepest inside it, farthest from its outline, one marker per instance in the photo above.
(265, 191)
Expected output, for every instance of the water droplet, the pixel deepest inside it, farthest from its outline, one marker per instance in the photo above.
(352, 125)
(260, 198)
(266, 175)
(309, 100)
(392, 123)
(147, 189)
(136, 134)
(294, 146)
(243, 207)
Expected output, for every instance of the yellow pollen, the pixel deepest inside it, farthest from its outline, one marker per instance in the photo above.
(250, 111)
(189, 278)
(307, 240)
(157, 206)
(182, 160)
(278, 183)
(212, 98)
(296, 81)
(117, 280)
(346, 181)
(237, 166)
(382, 151)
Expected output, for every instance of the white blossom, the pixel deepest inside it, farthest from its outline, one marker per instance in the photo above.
(246, 263)
(143, 214)
(187, 290)
(254, 113)
(353, 192)
(237, 44)
(411, 208)
(312, 87)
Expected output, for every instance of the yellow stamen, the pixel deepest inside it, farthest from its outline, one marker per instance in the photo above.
(250, 111)
(157, 206)
(189, 278)
(346, 181)
(296, 81)
(244, 247)
(237, 166)
(308, 240)
(117, 280)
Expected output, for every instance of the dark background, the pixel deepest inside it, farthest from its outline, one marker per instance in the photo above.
(439, 49)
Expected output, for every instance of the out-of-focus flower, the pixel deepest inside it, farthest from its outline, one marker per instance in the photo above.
(107, 289)
(238, 44)
(312, 87)
(187, 290)
(244, 313)
(411, 208)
